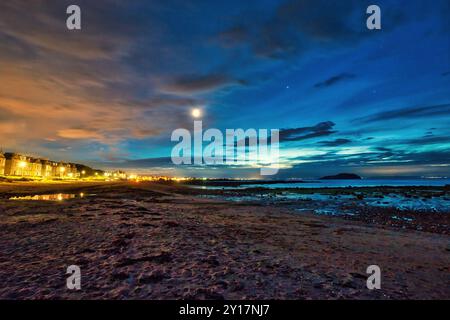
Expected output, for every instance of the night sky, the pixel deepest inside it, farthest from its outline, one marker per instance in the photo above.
(345, 98)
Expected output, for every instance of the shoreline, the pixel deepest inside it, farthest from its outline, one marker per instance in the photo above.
(346, 203)
(158, 241)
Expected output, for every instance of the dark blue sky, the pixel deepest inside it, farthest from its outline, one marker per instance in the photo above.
(345, 98)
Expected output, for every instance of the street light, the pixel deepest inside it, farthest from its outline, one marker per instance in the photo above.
(22, 165)
(61, 171)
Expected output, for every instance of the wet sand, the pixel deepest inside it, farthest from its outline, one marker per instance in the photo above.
(156, 241)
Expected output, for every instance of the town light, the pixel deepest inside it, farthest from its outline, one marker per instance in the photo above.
(22, 164)
(62, 169)
(83, 172)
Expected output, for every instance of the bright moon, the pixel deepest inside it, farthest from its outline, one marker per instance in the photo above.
(196, 113)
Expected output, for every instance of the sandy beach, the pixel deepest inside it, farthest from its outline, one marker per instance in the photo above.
(160, 241)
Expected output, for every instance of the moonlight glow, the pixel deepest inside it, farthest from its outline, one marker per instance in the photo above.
(196, 113)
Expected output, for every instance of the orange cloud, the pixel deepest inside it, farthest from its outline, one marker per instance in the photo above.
(79, 134)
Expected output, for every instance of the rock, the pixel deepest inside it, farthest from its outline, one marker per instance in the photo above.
(342, 176)
(171, 224)
(318, 284)
(145, 224)
(222, 283)
(349, 282)
(212, 260)
(162, 257)
(358, 275)
(119, 276)
(119, 242)
(153, 277)
(237, 286)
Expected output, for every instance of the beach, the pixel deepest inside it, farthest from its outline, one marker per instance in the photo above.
(153, 240)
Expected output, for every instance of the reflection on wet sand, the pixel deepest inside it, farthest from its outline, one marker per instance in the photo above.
(50, 197)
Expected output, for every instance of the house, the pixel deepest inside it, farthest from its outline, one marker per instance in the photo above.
(21, 165)
(16, 165)
(73, 171)
(46, 168)
(2, 164)
(121, 175)
(35, 167)
(64, 170)
(59, 170)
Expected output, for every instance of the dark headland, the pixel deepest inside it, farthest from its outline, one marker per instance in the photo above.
(342, 176)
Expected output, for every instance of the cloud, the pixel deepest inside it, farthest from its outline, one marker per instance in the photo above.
(131, 74)
(335, 143)
(425, 140)
(333, 80)
(80, 87)
(54, 145)
(303, 133)
(383, 149)
(407, 113)
(147, 162)
(40, 25)
(298, 26)
(422, 158)
(79, 134)
(233, 36)
(386, 156)
(198, 83)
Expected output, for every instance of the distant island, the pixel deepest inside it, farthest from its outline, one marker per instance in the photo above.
(342, 176)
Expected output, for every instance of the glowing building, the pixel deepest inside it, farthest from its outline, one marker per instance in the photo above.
(47, 168)
(17, 165)
(60, 170)
(72, 171)
(65, 170)
(35, 167)
(2, 164)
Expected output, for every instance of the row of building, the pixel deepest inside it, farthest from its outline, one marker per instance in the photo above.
(13, 164)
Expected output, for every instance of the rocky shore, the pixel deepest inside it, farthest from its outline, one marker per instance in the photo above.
(155, 241)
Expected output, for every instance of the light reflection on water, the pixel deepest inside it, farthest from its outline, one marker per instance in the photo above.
(334, 184)
(50, 197)
(331, 204)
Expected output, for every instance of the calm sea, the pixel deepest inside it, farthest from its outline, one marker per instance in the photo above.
(340, 184)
